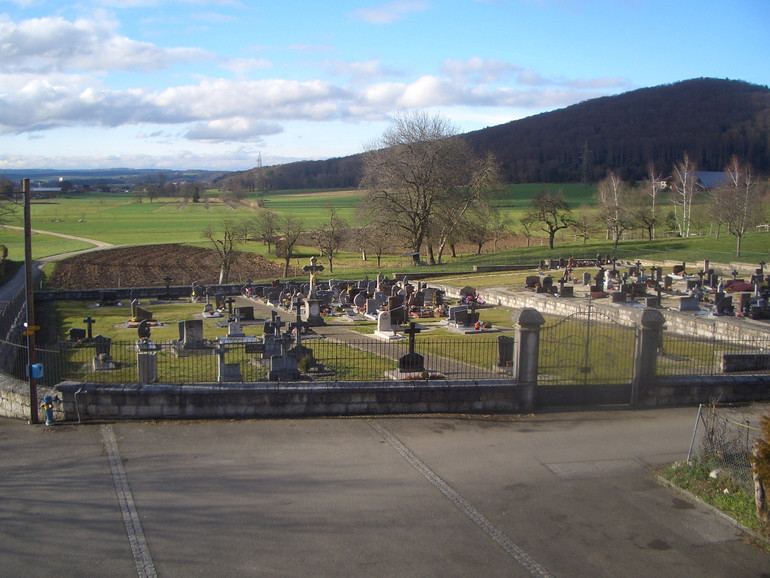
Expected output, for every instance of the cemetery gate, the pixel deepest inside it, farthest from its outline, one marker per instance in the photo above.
(587, 357)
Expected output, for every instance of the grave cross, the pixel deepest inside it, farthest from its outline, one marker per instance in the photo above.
(230, 301)
(411, 332)
(312, 269)
(90, 321)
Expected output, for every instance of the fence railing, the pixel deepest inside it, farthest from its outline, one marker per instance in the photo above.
(357, 360)
(690, 356)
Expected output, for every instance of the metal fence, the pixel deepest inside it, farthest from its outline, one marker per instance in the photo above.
(364, 359)
(690, 356)
(723, 439)
(587, 347)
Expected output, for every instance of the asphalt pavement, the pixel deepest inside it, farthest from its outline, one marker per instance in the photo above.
(557, 494)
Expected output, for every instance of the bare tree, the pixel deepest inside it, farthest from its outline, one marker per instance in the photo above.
(613, 200)
(264, 227)
(551, 211)
(329, 236)
(289, 230)
(655, 184)
(683, 194)
(224, 243)
(471, 197)
(740, 201)
(527, 222)
(583, 224)
(417, 164)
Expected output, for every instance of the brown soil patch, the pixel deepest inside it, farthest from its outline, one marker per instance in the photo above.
(147, 265)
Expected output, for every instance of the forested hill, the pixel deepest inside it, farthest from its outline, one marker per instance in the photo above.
(709, 119)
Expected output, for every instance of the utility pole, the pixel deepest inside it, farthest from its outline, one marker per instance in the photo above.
(30, 325)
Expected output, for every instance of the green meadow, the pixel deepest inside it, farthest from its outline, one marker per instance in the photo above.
(119, 219)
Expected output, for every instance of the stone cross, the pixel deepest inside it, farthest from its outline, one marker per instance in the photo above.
(90, 321)
(313, 268)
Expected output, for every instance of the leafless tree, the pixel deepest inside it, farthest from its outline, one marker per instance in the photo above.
(614, 206)
(289, 230)
(225, 244)
(684, 194)
(418, 164)
(655, 184)
(264, 227)
(739, 201)
(551, 211)
(329, 236)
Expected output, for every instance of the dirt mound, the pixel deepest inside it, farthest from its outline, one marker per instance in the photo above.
(147, 265)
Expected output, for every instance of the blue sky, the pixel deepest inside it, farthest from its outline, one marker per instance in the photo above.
(212, 84)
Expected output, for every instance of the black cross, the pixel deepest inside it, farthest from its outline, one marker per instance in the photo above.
(411, 332)
(230, 301)
(90, 321)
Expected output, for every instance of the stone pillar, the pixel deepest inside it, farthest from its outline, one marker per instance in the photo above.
(526, 348)
(648, 340)
(147, 366)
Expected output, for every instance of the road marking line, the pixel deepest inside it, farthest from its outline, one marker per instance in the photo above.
(465, 507)
(142, 558)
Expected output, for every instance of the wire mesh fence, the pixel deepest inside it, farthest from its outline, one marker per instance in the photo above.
(364, 359)
(723, 439)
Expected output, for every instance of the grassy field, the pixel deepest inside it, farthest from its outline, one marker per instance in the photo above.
(119, 219)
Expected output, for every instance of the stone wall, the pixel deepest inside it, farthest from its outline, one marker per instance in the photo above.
(88, 401)
(14, 399)
(688, 324)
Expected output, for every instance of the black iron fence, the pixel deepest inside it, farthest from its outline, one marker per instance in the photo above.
(680, 355)
(363, 359)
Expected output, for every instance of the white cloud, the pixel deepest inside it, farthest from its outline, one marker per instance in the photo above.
(231, 129)
(389, 13)
(48, 45)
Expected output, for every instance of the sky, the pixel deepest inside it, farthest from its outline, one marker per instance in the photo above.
(220, 84)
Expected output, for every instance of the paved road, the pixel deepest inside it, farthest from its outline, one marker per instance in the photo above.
(561, 494)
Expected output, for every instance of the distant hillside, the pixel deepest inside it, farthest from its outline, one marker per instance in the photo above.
(709, 119)
(107, 177)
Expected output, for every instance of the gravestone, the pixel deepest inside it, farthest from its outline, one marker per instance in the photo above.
(504, 351)
(371, 307)
(102, 360)
(108, 298)
(453, 310)
(234, 329)
(191, 334)
(384, 323)
(689, 304)
(284, 368)
(209, 312)
(244, 313)
(77, 334)
(359, 300)
(411, 362)
(227, 372)
(147, 366)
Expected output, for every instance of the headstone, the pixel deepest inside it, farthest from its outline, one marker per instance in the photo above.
(371, 307)
(234, 329)
(147, 366)
(453, 312)
(77, 334)
(412, 361)
(504, 351)
(191, 333)
(384, 322)
(359, 300)
(108, 298)
(689, 304)
(284, 368)
(244, 313)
